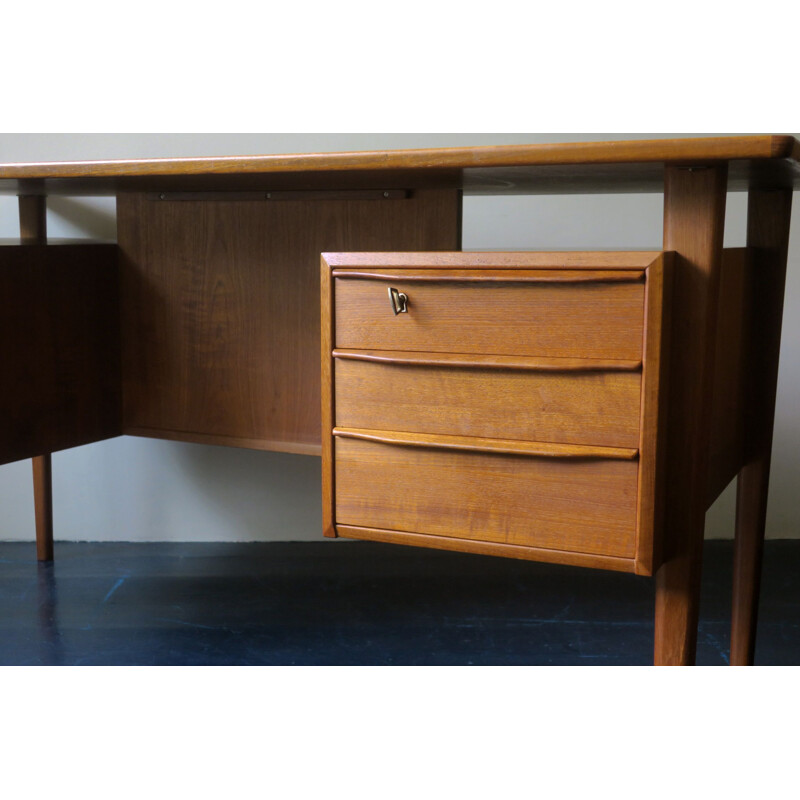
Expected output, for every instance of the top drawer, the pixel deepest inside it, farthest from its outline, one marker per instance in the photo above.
(569, 313)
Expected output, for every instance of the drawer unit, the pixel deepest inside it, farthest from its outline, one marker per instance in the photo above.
(503, 403)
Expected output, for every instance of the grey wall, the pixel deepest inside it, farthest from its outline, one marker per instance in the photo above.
(131, 489)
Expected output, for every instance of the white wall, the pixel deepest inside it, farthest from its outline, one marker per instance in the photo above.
(131, 489)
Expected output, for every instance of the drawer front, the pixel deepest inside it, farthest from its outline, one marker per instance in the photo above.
(581, 505)
(592, 407)
(549, 319)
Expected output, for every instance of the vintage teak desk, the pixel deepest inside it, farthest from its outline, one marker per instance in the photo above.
(578, 408)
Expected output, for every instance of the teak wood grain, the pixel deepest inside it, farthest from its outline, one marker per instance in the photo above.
(691, 149)
(327, 404)
(543, 554)
(473, 361)
(584, 320)
(489, 261)
(465, 405)
(32, 219)
(731, 372)
(496, 275)
(33, 230)
(768, 218)
(653, 414)
(220, 313)
(42, 468)
(59, 347)
(577, 167)
(585, 505)
(599, 408)
(478, 444)
(694, 215)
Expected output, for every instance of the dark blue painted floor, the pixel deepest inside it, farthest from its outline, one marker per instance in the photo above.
(335, 602)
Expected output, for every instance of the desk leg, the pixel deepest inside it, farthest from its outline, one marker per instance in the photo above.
(694, 219)
(33, 230)
(768, 217)
(43, 506)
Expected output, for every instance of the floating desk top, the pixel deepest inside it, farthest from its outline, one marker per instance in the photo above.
(575, 167)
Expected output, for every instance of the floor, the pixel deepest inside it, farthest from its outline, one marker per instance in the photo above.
(347, 603)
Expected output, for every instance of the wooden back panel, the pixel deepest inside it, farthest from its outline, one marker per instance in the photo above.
(220, 313)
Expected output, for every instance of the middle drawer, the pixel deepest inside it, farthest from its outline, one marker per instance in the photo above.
(466, 396)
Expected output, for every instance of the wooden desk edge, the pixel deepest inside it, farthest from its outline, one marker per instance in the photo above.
(669, 151)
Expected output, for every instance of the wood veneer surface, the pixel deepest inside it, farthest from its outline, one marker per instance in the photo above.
(583, 320)
(493, 394)
(59, 348)
(694, 219)
(599, 408)
(635, 165)
(586, 505)
(220, 307)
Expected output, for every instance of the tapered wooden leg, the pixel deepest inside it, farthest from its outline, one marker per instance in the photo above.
(768, 220)
(43, 505)
(694, 219)
(33, 230)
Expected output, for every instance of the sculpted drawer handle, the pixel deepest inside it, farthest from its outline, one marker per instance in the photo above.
(399, 301)
(481, 445)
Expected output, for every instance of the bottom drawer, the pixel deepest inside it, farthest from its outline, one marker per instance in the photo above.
(582, 505)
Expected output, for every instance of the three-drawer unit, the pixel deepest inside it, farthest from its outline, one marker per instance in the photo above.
(499, 403)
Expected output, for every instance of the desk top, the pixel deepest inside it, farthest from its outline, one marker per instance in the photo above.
(575, 168)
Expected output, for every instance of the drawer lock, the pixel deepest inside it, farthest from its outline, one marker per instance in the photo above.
(399, 301)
